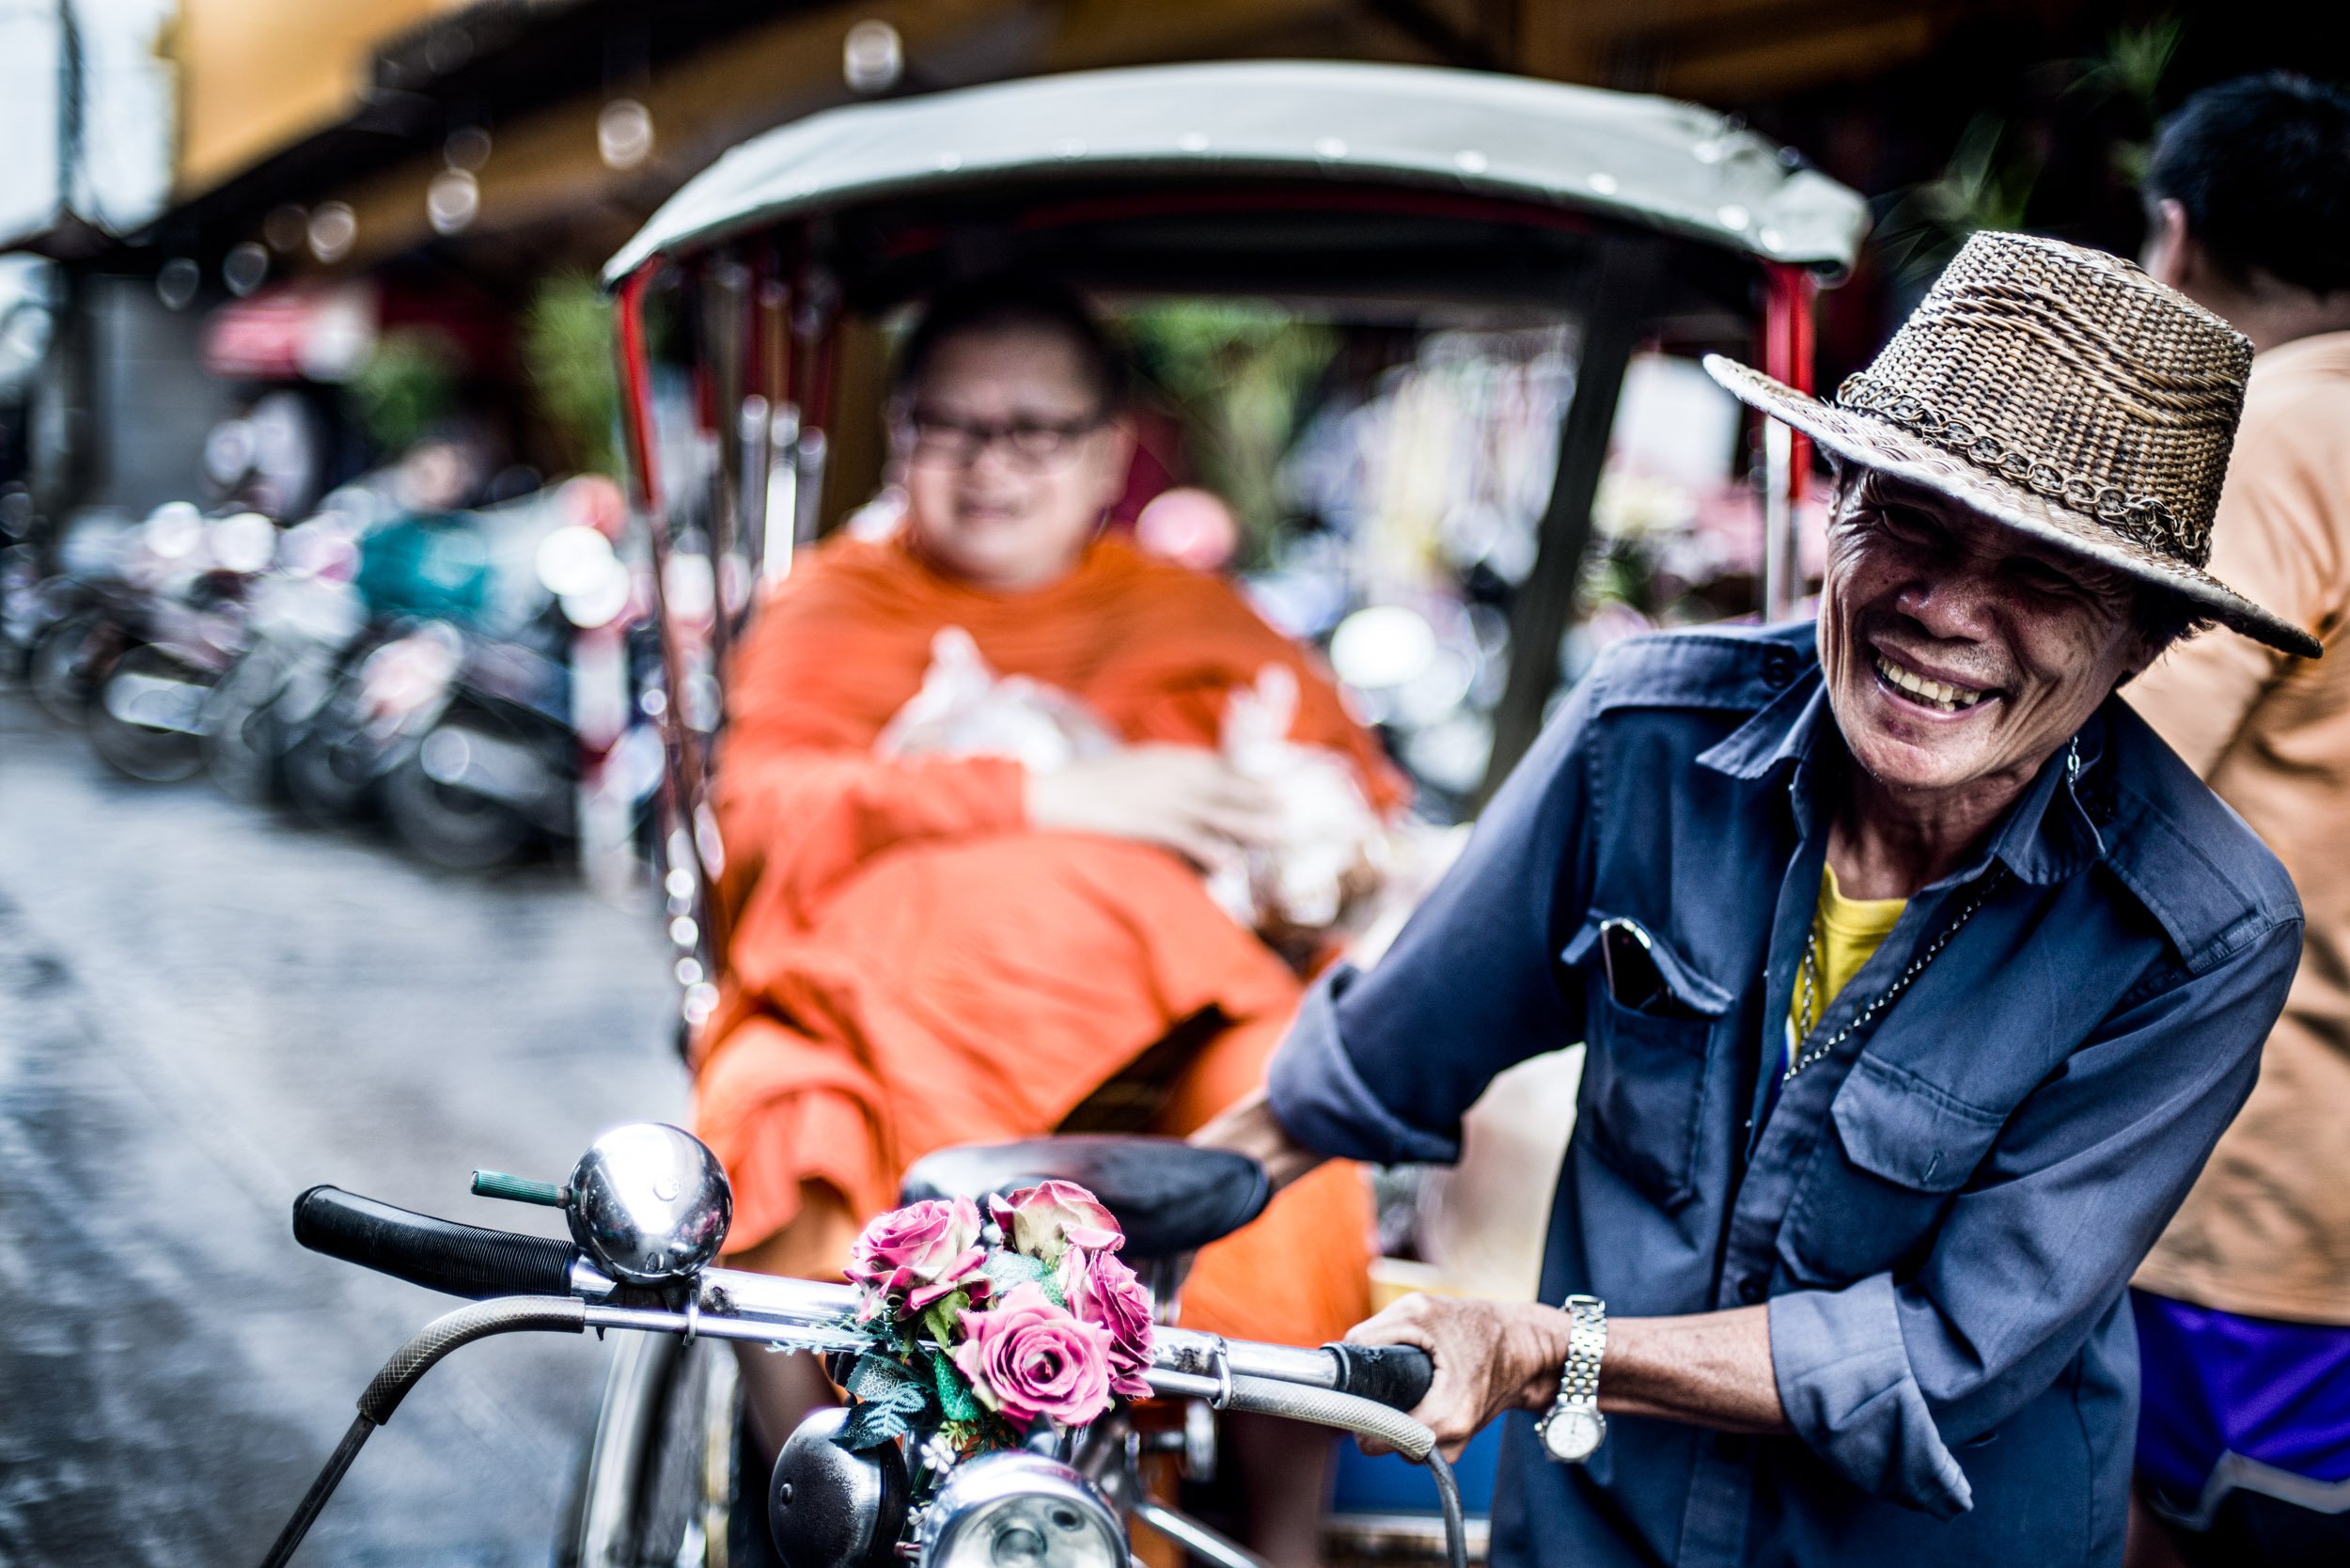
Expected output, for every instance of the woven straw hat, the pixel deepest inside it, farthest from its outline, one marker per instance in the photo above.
(2062, 392)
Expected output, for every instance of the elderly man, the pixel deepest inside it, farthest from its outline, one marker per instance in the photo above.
(1917, 979)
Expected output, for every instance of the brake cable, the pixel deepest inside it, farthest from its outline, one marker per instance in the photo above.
(506, 1315)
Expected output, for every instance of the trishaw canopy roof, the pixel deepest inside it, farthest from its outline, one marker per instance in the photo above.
(1647, 161)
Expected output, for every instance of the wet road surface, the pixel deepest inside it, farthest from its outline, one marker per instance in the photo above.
(205, 1009)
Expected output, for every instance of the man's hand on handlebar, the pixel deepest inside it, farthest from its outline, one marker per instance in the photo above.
(1490, 1356)
(1182, 797)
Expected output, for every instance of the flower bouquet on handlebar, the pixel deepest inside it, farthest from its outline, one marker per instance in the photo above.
(989, 1338)
(1029, 1317)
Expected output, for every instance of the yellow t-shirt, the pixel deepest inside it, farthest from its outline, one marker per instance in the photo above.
(1848, 932)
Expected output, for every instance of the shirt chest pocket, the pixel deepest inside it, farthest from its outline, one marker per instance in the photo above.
(1644, 1066)
(1895, 1152)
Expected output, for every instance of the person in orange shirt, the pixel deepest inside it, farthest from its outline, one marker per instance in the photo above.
(2243, 1308)
(952, 945)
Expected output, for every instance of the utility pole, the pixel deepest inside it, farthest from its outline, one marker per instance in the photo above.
(70, 84)
(59, 427)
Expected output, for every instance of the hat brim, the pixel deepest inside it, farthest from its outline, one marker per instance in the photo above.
(1878, 444)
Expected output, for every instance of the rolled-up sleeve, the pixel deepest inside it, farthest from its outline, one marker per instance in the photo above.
(1381, 1064)
(1324, 1103)
(1882, 1377)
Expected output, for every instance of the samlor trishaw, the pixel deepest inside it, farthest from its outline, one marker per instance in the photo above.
(1486, 246)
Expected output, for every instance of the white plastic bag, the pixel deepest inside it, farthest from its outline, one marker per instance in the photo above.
(965, 708)
(1328, 835)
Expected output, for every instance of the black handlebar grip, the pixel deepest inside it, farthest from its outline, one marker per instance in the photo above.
(1395, 1376)
(438, 1254)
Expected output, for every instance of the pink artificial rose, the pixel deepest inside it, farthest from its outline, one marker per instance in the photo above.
(1109, 1295)
(1027, 1357)
(923, 1251)
(1046, 1220)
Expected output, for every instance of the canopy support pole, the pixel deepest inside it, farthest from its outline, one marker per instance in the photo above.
(682, 776)
(1614, 317)
(1786, 452)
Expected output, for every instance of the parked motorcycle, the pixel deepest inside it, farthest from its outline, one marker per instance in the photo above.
(462, 742)
(494, 766)
(25, 606)
(303, 618)
(151, 703)
(383, 688)
(83, 625)
(48, 610)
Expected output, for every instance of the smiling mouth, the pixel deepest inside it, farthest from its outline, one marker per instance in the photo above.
(1940, 695)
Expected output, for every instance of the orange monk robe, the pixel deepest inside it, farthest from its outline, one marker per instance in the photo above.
(914, 965)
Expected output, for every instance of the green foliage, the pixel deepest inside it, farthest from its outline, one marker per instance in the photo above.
(568, 354)
(2133, 63)
(407, 385)
(2129, 73)
(1237, 374)
(1981, 187)
(1996, 168)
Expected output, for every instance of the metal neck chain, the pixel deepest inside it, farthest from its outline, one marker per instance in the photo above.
(1890, 993)
(1807, 1003)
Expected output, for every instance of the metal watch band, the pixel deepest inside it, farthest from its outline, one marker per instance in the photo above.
(1587, 1343)
(1573, 1429)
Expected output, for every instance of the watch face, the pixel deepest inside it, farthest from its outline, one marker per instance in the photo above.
(1573, 1435)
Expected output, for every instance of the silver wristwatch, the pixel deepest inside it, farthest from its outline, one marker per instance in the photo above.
(1574, 1428)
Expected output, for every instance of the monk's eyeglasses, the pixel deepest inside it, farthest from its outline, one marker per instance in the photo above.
(928, 436)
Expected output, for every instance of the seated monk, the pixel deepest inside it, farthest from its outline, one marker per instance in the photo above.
(944, 947)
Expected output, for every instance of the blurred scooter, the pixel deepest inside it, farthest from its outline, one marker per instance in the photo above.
(381, 686)
(148, 701)
(72, 622)
(496, 768)
(303, 616)
(48, 620)
(493, 763)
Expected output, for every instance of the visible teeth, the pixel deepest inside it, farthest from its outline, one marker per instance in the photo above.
(1939, 694)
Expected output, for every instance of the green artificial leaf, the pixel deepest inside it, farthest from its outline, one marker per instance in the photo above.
(878, 1378)
(890, 1397)
(943, 1314)
(1006, 1271)
(955, 1397)
(869, 1426)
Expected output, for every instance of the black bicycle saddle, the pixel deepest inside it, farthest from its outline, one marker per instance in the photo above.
(1170, 1196)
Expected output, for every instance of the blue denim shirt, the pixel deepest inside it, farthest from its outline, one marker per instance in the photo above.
(1942, 1214)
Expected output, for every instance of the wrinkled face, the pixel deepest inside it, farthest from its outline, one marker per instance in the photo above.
(1959, 651)
(1009, 459)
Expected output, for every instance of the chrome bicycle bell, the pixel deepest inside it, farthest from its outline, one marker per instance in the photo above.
(830, 1508)
(650, 1204)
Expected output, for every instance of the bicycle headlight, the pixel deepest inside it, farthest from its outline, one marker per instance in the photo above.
(1020, 1509)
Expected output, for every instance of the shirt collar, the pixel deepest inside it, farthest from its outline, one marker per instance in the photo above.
(2047, 836)
(1784, 730)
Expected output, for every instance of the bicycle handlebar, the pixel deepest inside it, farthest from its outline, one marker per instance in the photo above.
(438, 1254)
(1396, 1377)
(549, 1284)
(479, 1264)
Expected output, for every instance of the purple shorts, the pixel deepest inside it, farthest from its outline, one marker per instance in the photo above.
(2233, 1403)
